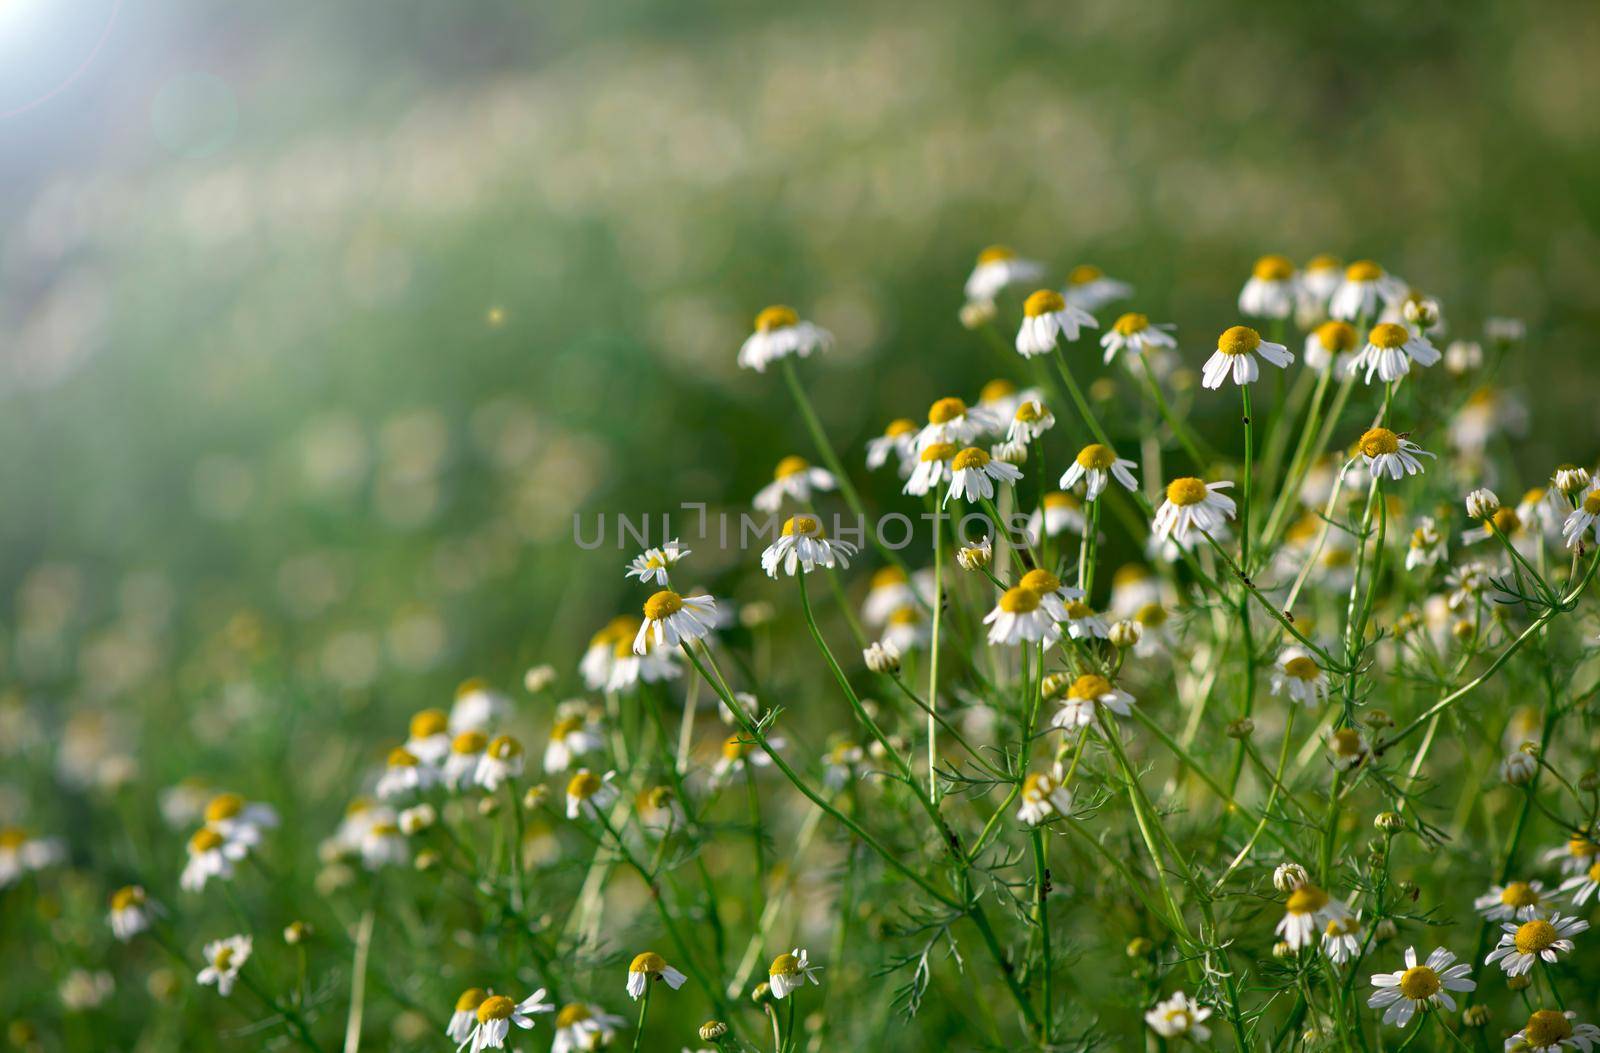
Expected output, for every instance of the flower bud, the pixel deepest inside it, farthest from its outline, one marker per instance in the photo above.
(1379, 719)
(1476, 1016)
(1519, 983)
(1281, 949)
(1385, 930)
(1126, 634)
(1408, 889)
(534, 796)
(1139, 947)
(1570, 479)
(1389, 822)
(296, 932)
(416, 819)
(712, 1030)
(426, 860)
(762, 994)
(975, 557)
(1422, 313)
(1482, 503)
(1290, 876)
(537, 679)
(1242, 728)
(1518, 769)
(1013, 451)
(488, 806)
(882, 657)
(1462, 357)
(976, 314)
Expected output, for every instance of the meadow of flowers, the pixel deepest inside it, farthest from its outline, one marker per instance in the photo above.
(1044, 719)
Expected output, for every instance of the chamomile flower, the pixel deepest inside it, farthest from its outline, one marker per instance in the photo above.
(1332, 345)
(428, 737)
(1192, 506)
(1055, 595)
(889, 590)
(1043, 797)
(1155, 633)
(590, 794)
(1341, 938)
(973, 474)
(581, 1027)
(843, 764)
(1319, 279)
(1403, 994)
(1096, 465)
(899, 439)
(384, 845)
(1553, 1031)
(1058, 512)
(1507, 523)
(1132, 587)
(1582, 521)
(1270, 290)
(1179, 1017)
(1136, 334)
(224, 958)
(907, 630)
(1570, 480)
(1390, 455)
(404, 774)
(502, 760)
(951, 420)
(653, 565)
(1543, 508)
(465, 1016)
(595, 666)
(1582, 885)
(933, 468)
(1538, 938)
(802, 548)
(495, 1015)
(1577, 855)
(789, 972)
(1235, 356)
(999, 268)
(1020, 616)
(1298, 676)
(1308, 910)
(1083, 623)
(627, 669)
(1030, 421)
(1089, 288)
(1389, 351)
(419, 817)
(651, 966)
(999, 399)
(1088, 695)
(795, 479)
(658, 810)
(466, 750)
(1347, 748)
(1046, 317)
(130, 912)
(21, 852)
(572, 736)
(1427, 546)
(671, 619)
(237, 819)
(1364, 289)
(739, 752)
(478, 707)
(780, 333)
(359, 816)
(1519, 900)
(211, 855)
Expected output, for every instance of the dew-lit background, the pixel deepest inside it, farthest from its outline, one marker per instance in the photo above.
(318, 321)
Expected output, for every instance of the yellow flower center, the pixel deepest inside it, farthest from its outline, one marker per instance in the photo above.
(384, 830)
(469, 742)
(1420, 983)
(784, 965)
(471, 686)
(997, 389)
(572, 1013)
(1591, 503)
(504, 747)
(1582, 847)
(802, 526)
(996, 254)
(1043, 301)
(1323, 263)
(1307, 899)
(1058, 499)
(1084, 273)
(1040, 581)
(13, 838)
(400, 757)
(1377, 441)
(1546, 1028)
(1301, 668)
(1347, 742)
(1507, 521)
(1534, 496)
(1336, 336)
(1274, 269)
(428, 723)
(1037, 786)
(1535, 936)
(1238, 340)
(648, 963)
(905, 616)
(776, 317)
(223, 958)
(471, 999)
(1186, 491)
(1151, 615)
(1089, 687)
(1363, 271)
(128, 896)
(1030, 412)
(734, 748)
(1096, 457)
(583, 785)
(900, 426)
(887, 576)
(224, 806)
(1019, 601)
(1388, 336)
(1519, 894)
(564, 727)
(495, 1007)
(968, 459)
(205, 840)
(1078, 610)
(662, 605)
(1594, 872)
(946, 410)
(791, 465)
(938, 451)
(1131, 323)
(1343, 926)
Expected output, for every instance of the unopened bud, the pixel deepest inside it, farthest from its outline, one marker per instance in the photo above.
(1476, 1016)
(534, 796)
(488, 806)
(296, 932)
(1281, 949)
(1139, 947)
(1242, 728)
(1519, 983)
(762, 993)
(1482, 503)
(1570, 479)
(1126, 634)
(1290, 876)
(537, 679)
(712, 1030)
(1379, 719)
(882, 657)
(977, 313)
(426, 860)
(976, 556)
(1462, 357)
(1518, 769)
(1385, 930)
(1422, 312)
(1389, 822)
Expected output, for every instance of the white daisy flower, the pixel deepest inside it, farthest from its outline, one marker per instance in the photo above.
(1364, 289)
(1577, 855)
(899, 439)
(1508, 524)
(890, 590)
(1058, 512)
(1341, 938)
(591, 794)
(1235, 356)
(1030, 421)
(428, 737)
(1463, 356)
(1052, 592)
(1179, 1016)
(1582, 885)
(1270, 291)
(1097, 465)
(1553, 1031)
(1192, 506)
(1544, 507)
(655, 665)
(842, 765)
(1000, 399)
(1088, 695)
(595, 666)
(1083, 623)
(571, 737)
(1427, 546)
(237, 819)
(951, 420)
(582, 1027)
(466, 750)
(1347, 748)
(671, 619)
(211, 855)
(795, 479)
(1401, 995)
(1489, 413)
(1047, 316)
(419, 817)
(130, 912)
(1583, 519)
(1135, 334)
(20, 853)
(1155, 635)
(973, 474)
(653, 565)
(651, 966)
(1043, 797)
(933, 468)
(1389, 351)
(1518, 900)
(737, 752)
(359, 817)
(1319, 280)
(789, 972)
(1132, 588)
(1020, 616)
(998, 269)
(465, 1016)
(495, 1015)
(502, 760)
(779, 334)
(1390, 455)
(478, 707)
(1538, 938)
(1307, 910)
(224, 959)
(802, 548)
(907, 630)
(404, 774)
(384, 845)
(1332, 345)
(1088, 288)
(1299, 676)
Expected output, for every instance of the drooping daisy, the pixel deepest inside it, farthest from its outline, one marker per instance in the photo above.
(495, 1015)
(1389, 455)
(738, 752)
(933, 468)
(1087, 696)
(1058, 512)
(465, 1016)
(1543, 507)
(1299, 676)
(1553, 1031)
(211, 855)
(907, 630)
(1401, 995)
(802, 548)
(502, 760)
(237, 819)
(478, 707)
(795, 479)
(671, 619)
(1522, 945)
(581, 1027)
(1055, 595)
(403, 774)
(1318, 281)
(1576, 856)
(572, 736)
(973, 474)
(1020, 616)
(899, 439)
(466, 749)
(1583, 519)
(951, 420)
(1341, 938)
(428, 737)
(651, 966)
(130, 912)
(1427, 546)
(591, 794)
(1332, 345)
(789, 972)
(595, 667)
(1042, 797)
(1364, 289)
(653, 565)
(1347, 748)
(1097, 465)
(1089, 288)
(1270, 290)
(655, 665)
(1083, 623)
(1235, 356)
(1030, 421)
(1583, 885)
(1046, 317)
(998, 269)
(780, 333)
(1178, 1017)
(224, 959)
(1136, 334)
(384, 845)
(889, 590)
(1192, 505)
(1000, 398)
(1307, 910)
(1519, 900)
(1389, 351)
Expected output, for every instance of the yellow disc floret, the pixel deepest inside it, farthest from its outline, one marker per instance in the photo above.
(1547, 1028)
(1131, 323)
(969, 459)
(1519, 894)
(1378, 441)
(1301, 668)
(1336, 336)
(583, 785)
(802, 526)
(1019, 600)
(1420, 983)
(996, 254)
(784, 965)
(1095, 457)
(1388, 336)
(1090, 686)
(662, 605)
(571, 1015)
(1084, 273)
(469, 742)
(1238, 340)
(946, 410)
(650, 963)
(495, 1007)
(938, 451)
(1186, 491)
(1040, 581)
(1043, 301)
(791, 465)
(1535, 936)
(1363, 271)
(776, 317)
(1307, 899)
(1273, 269)
(471, 999)
(428, 723)
(224, 806)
